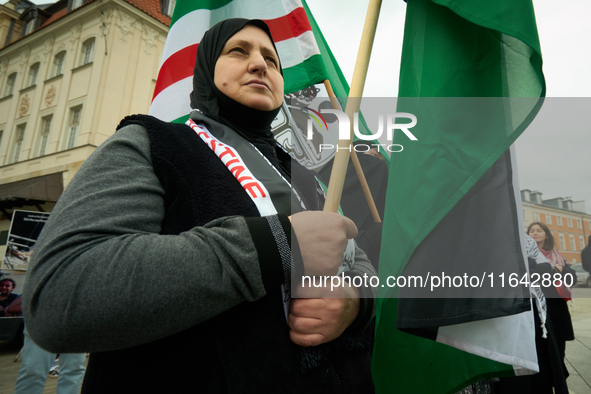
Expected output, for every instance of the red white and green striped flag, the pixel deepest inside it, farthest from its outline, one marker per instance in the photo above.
(300, 57)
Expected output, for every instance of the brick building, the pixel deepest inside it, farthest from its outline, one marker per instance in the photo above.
(566, 218)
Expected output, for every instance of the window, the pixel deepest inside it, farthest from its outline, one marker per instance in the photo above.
(9, 87)
(559, 220)
(536, 217)
(58, 63)
(18, 141)
(77, 3)
(28, 27)
(562, 245)
(33, 73)
(579, 224)
(572, 242)
(569, 222)
(75, 114)
(581, 242)
(168, 7)
(87, 51)
(589, 225)
(44, 134)
(548, 218)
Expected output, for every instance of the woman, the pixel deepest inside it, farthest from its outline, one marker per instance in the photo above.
(7, 296)
(557, 306)
(180, 266)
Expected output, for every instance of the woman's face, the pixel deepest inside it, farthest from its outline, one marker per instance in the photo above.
(248, 70)
(6, 287)
(537, 233)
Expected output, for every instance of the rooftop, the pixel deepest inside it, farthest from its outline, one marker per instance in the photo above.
(57, 10)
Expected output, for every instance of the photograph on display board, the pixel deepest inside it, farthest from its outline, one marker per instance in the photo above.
(24, 231)
(11, 286)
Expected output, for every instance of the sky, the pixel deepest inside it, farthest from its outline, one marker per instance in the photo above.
(551, 159)
(552, 155)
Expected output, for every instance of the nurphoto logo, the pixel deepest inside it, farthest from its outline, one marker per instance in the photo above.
(345, 126)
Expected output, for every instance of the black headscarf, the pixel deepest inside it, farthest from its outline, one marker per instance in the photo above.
(206, 97)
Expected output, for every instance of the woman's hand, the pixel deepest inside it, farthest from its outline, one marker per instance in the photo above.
(313, 320)
(322, 237)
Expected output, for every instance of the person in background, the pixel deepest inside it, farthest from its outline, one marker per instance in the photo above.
(556, 298)
(7, 296)
(37, 363)
(586, 256)
(551, 378)
(15, 308)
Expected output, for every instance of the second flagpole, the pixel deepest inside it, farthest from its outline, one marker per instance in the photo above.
(339, 169)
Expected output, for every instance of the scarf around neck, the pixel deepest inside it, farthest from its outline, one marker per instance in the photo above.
(554, 256)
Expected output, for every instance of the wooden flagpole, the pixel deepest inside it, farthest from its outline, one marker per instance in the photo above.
(339, 168)
(364, 186)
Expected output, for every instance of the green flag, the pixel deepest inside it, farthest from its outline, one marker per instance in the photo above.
(471, 72)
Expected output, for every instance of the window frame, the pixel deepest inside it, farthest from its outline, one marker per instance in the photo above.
(87, 55)
(167, 7)
(30, 19)
(33, 76)
(73, 128)
(73, 4)
(28, 27)
(58, 70)
(44, 132)
(562, 242)
(19, 138)
(9, 87)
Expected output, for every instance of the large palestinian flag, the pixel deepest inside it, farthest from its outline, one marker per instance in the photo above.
(471, 72)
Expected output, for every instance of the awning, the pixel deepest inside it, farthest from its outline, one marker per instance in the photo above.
(32, 191)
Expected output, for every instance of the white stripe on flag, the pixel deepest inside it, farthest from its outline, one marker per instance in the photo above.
(498, 339)
(295, 50)
(166, 106)
(189, 29)
(186, 31)
(290, 5)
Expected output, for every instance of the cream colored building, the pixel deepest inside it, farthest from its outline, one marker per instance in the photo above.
(69, 72)
(565, 218)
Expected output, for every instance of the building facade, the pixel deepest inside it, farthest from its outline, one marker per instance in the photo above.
(69, 72)
(566, 219)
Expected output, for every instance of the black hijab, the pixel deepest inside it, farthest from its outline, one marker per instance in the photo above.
(206, 97)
